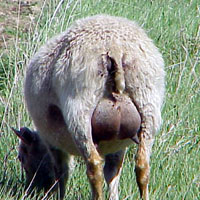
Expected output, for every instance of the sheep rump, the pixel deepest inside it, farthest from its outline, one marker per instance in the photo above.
(71, 74)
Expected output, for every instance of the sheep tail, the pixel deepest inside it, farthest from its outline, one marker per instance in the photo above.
(118, 76)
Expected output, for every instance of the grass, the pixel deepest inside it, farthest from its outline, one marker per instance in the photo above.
(175, 161)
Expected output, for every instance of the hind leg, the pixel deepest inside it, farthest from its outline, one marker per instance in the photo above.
(94, 165)
(142, 168)
(80, 130)
(95, 175)
(112, 172)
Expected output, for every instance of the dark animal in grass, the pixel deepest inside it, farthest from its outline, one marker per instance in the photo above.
(35, 160)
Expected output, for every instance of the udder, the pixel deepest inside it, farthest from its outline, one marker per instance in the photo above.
(115, 118)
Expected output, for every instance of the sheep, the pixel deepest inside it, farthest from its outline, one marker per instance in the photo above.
(92, 91)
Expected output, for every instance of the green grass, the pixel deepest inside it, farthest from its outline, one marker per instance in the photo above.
(175, 161)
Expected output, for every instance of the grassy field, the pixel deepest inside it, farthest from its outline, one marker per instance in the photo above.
(175, 161)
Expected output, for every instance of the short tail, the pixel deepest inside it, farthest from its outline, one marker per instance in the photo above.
(119, 80)
(116, 59)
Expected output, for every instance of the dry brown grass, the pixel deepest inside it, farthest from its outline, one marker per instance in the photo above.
(16, 16)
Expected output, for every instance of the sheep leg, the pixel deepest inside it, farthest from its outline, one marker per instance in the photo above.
(61, 170)
(78, 118)
(112, 172)
(142, 168)
(94, 166)
(95, 174)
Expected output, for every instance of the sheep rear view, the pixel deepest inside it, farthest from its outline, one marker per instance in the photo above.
(92, 91)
